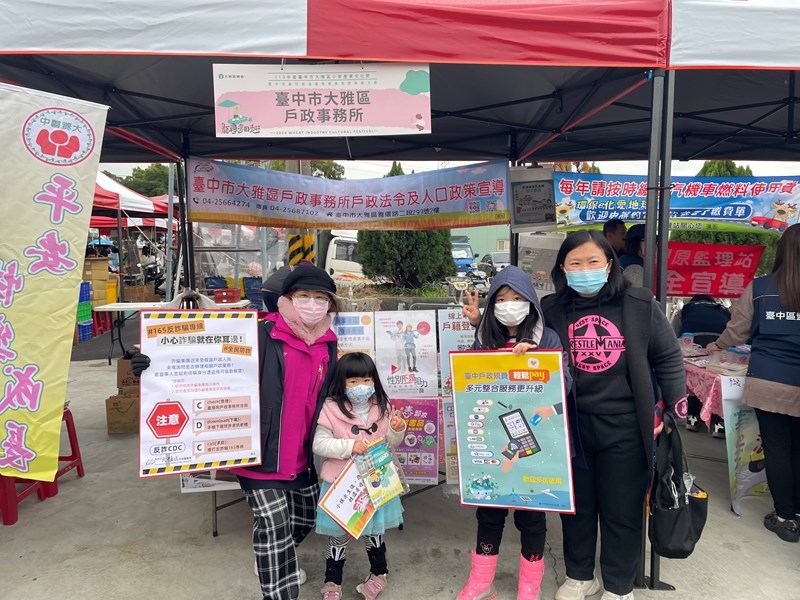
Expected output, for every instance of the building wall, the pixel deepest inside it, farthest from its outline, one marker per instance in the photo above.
(487, 238)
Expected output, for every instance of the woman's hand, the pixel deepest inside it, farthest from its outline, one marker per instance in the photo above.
(712, 347)
(471, 310)
(523, 347)
(397, 423)
(359, 448)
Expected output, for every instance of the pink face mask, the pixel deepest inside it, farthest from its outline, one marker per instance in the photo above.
(311, 311)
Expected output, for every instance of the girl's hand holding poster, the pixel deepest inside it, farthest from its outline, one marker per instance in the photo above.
(511, 426)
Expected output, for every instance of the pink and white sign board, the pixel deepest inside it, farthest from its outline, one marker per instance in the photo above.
(321, 100)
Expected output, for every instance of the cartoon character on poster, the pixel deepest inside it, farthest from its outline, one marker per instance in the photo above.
(405, 343)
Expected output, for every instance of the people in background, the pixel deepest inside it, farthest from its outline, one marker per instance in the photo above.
(632, 261)
(615, 230)
(621, 344)
(356, 414)
(768, 316)
(512, 319)
(706, 319)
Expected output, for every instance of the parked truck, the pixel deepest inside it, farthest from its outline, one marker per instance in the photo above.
(338, 250)
(463, 254)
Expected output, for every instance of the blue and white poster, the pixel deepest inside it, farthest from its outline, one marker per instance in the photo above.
(512, 431)
(465, 196)
(721, 203)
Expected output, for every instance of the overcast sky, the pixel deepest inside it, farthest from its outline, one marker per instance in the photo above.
(366, 169)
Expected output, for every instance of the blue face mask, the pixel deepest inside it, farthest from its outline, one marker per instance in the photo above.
(359, 395)
(588, 281)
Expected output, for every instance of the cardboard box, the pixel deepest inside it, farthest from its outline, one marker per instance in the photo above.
(95, 269)
(139, 293)
(122, 414)
(125, 377)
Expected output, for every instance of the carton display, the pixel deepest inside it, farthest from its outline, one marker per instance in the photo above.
(122, 414)
(125, 377)
(95, 269)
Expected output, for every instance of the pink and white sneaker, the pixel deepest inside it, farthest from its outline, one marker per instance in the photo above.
(373, 586)
(331, 591)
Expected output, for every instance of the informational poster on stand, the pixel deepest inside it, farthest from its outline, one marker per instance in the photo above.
(536, 256)
(533, 204)
(356, 332)
(746, 467)
(418, 453)
(200, 395)
(405, 345)
(449, 448)
(513, 437)
(455, 333)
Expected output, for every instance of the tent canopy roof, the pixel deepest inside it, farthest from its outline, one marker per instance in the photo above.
(552, 85)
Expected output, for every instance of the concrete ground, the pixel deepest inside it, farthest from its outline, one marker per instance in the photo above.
(112, 536)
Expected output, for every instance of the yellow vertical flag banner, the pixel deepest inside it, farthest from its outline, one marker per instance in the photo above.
(51, 149)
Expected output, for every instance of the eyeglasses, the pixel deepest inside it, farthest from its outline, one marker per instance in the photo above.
(371, 429)
(308, 301)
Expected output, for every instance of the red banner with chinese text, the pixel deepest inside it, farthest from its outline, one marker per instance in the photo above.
(718, 270)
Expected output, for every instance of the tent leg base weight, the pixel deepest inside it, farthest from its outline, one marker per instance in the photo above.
(658, 585)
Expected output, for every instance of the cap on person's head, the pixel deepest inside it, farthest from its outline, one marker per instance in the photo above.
(307, 277)
(635, 232)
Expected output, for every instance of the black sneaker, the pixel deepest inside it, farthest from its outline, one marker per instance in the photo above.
(692, 422)
(786, 529)
(717, 427)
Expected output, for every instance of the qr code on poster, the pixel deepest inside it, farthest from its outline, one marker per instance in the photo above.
(474, 207)
(491, 206)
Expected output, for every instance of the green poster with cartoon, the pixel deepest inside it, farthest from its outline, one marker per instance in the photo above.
(512, 432)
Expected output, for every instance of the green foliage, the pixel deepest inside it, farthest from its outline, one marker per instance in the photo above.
(755, 238)
(723, 168)
(327, 169)
(409, 258)
(397, 169)
(150, 181)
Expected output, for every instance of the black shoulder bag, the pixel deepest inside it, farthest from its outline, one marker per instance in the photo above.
(678, 507)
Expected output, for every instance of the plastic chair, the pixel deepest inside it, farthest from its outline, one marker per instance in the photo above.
(101, 322)
(10, 497)
(73, 459)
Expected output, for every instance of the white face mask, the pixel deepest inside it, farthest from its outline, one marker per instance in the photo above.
(511, 314)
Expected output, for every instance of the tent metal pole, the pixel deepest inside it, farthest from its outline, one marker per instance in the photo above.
(186, 233)
(666, 188)
(236, 264)
(120, 266)
(170, 205)
(650, 230)
(652, 178)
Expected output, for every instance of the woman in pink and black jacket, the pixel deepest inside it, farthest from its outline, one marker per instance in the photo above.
(297, 352)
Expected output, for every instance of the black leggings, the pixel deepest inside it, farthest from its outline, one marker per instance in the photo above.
(532, 527)
(780, 435)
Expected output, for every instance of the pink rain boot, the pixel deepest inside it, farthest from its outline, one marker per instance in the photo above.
(479, 584)
(530, 578)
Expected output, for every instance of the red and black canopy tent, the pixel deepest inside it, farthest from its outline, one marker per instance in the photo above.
(525, 80)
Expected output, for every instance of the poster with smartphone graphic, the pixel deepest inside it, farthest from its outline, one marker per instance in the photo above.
(512, 431)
